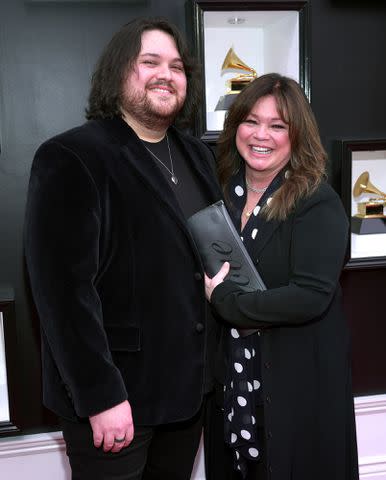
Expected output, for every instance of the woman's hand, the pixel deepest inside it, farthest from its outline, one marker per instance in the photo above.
(211, 283)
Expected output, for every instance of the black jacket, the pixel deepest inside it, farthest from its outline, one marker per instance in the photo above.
(115, 276)
(305, 345)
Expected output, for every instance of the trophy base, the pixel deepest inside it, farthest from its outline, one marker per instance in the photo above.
(225, 101)
(368, 226)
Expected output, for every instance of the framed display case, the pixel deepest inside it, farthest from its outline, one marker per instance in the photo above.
(364, 198)
(8, 359)
(239, 41)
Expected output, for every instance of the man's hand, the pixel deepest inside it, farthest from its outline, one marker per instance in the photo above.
(211, 283)
(113, 424)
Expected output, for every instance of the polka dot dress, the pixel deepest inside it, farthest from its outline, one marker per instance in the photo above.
(241, 395)
(243, 389)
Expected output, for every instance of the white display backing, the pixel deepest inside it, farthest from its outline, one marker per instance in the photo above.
(374, 162)
(267, 41)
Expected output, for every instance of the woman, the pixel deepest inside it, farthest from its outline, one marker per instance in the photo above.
(288, 409)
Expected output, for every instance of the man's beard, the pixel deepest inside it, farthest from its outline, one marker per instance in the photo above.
(151, 115)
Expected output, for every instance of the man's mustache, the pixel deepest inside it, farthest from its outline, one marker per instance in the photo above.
(162, 83)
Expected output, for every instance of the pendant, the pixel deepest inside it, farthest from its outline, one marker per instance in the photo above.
(248, 214)
(174, 179)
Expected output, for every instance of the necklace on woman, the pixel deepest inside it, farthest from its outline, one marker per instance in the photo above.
(173, 177)
(254, 189)
(248, 213)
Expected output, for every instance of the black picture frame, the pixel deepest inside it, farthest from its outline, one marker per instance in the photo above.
(258, 10)
(8, 364)
(367, 242)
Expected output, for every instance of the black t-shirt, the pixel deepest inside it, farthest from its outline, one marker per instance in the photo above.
(188, 191)
(191, 198)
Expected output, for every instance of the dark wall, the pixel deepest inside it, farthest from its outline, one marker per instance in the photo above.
(47, 52)
(348, 68)
(347, 52)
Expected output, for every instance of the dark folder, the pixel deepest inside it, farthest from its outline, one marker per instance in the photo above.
(217, 241)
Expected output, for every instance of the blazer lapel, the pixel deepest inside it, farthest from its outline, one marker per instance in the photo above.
(200, 159)
(139, 159)
(143, 165)
(266, 230)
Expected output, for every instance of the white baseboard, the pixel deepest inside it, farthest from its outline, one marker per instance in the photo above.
(370, 413)
(373, 467)
(370, 405)
(31, 444)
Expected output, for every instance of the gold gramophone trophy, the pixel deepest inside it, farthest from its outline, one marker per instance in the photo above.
(370, 217)
(236, 84)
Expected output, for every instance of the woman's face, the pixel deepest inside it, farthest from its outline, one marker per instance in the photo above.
(263, 138)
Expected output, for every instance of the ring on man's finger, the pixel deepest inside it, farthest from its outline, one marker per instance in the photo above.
(119, 440)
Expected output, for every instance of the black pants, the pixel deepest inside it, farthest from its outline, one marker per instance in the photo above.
(156, 453)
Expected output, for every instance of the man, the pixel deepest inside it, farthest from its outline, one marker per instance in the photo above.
(117, 280)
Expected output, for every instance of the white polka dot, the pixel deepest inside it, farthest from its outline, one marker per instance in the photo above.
(254, 233)
(269, 200)
(250, 388)
(225, 387)
(235, 333)
(256, 210)
(242, 239)
(230, 417)
(253, 452)
(247, 353)
(287, 174)
(233, 438)
(253, 419)
(232, 412)
(256, 384)
(238, 467)
(232, 384)
(253, 352)
(239, 191)
(238, 367)
(237, 455)
(245, 434)
(241, 401)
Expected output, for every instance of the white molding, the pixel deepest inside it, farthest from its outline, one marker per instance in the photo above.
(370, 405)
(31, 444)
(370, 412)
(372, 467)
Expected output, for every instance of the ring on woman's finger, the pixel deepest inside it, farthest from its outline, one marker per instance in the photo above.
(119, 440)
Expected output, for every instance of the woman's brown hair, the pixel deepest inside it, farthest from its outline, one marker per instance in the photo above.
(307, 164)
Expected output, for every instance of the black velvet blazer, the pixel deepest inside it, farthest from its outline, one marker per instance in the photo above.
(115, 275)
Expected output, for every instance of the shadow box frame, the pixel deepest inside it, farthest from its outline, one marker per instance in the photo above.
(271, 10)
(9, 353)
(358, 156)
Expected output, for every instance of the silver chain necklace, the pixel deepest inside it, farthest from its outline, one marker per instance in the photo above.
(254, 189)
(173, 177)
